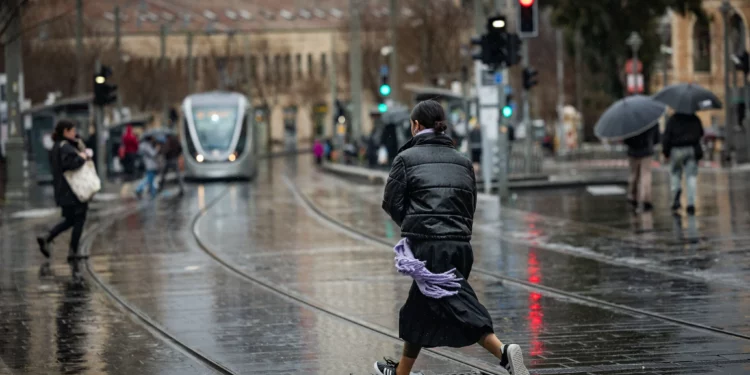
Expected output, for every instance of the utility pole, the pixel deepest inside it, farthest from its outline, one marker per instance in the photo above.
(500, 166)
(81, 79)
(14, 148)
(725, 9)
(191, 64)
(393, 36)
(579, 82)
(118, 54)
(529, 141)
(163, 69)
(562, 136)
(355, 56)
(334, 87)
(101, 142)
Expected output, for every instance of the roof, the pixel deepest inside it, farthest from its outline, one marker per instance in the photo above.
(83, 100)
(147, 16)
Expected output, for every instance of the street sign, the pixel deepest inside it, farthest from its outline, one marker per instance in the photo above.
(635, 83)
(498, 78)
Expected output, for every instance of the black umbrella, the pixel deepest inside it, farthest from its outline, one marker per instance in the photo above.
(629, 117)
(688, 98)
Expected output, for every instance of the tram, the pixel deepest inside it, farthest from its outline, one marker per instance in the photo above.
(217, 136)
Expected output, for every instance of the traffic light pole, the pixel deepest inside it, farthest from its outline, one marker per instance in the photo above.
(101, 142)
(529, 141)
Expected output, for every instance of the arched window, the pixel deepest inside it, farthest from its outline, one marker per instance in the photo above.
(701, 46)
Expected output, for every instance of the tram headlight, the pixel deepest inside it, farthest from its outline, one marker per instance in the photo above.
(232, 157)
(199, 158)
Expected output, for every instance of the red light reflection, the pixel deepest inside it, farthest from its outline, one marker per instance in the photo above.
(536, 314)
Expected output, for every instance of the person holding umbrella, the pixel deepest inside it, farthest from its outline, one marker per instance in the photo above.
(681, 144)
(633, 120)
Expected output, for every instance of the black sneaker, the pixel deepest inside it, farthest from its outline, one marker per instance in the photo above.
(513, 360)
(388, 367)
(43, 246)
(691, 210)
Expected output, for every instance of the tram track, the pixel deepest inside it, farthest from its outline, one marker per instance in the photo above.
(138, 316)
(543, 289)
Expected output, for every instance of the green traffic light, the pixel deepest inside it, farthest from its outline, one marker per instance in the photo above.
(507, 111)
(382, 107)
(385, 90)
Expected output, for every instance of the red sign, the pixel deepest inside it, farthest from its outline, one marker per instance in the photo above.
(629, 66)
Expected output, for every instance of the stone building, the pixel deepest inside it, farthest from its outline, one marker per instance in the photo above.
(698, 52)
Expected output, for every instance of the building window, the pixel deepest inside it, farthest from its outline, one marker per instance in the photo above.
(323, 65)
(299, 66)
(277, 69)
(310, 64)
(288, 68)
(701, 46)
(253, 67)
(267, 68)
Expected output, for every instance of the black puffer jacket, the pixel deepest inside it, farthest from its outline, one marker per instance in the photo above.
(683, 130)
(62, 158)
(642, 145)
(431, 191)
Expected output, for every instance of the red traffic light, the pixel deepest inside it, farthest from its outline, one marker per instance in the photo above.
(526, 3)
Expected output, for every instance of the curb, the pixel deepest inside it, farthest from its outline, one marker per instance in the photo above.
(374, 177)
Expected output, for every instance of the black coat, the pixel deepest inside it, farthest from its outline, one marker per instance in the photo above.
(642, 145)
(64, 157)
(431, 191)
(683, 131)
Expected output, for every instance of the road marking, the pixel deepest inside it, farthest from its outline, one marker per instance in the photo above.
(605, 190)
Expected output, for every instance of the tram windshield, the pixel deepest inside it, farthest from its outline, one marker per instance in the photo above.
(215, 127)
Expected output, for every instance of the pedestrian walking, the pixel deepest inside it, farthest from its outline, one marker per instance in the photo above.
(431, 194)
(67, 154)
(328, 150)
(149, 151)
(681, 146)
(172, 150)
(318, 151)
(475, 144)
(129, 150)
(640, 157)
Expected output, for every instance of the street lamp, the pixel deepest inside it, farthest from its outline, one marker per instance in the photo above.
(634, 41)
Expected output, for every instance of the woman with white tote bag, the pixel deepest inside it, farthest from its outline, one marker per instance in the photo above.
(74, 181)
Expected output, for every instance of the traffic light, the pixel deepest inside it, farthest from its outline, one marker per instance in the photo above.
(497, 47)
(508, 108)
(528, 18)
(104, 93)
(529, 78)
(385, 87)
(382, 107)
(514, 49)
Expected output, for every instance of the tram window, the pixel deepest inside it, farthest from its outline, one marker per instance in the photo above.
(240, 149)
(215, 127)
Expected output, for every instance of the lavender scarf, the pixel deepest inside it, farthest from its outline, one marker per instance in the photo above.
(430, 284)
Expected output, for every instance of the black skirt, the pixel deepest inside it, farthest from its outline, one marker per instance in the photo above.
(454, 321)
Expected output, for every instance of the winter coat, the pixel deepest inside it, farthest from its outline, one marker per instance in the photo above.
(129, 141)
(431, 190)
(62, 158)
(683, 130)
(150, 156)
(642, 145)
(172, 148)
(475, 139)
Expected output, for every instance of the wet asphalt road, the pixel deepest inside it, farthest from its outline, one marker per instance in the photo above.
(251, 277)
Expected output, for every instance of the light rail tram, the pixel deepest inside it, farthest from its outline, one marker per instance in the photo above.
(217, 136)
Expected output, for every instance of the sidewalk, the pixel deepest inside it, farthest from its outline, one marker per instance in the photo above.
(572, 178)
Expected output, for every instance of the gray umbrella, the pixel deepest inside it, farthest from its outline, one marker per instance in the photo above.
(688, 98)
(629, 117)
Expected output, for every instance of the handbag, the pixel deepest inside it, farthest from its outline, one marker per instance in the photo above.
(84, 181)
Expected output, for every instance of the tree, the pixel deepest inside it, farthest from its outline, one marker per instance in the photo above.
(431, 36)
(606, 24)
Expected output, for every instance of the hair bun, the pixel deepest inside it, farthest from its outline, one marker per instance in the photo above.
(440, 126)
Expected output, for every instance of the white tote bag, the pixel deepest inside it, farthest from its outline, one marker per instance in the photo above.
(84, 182)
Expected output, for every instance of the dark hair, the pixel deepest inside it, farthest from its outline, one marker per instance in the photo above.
(60, 127)
(431, 115)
